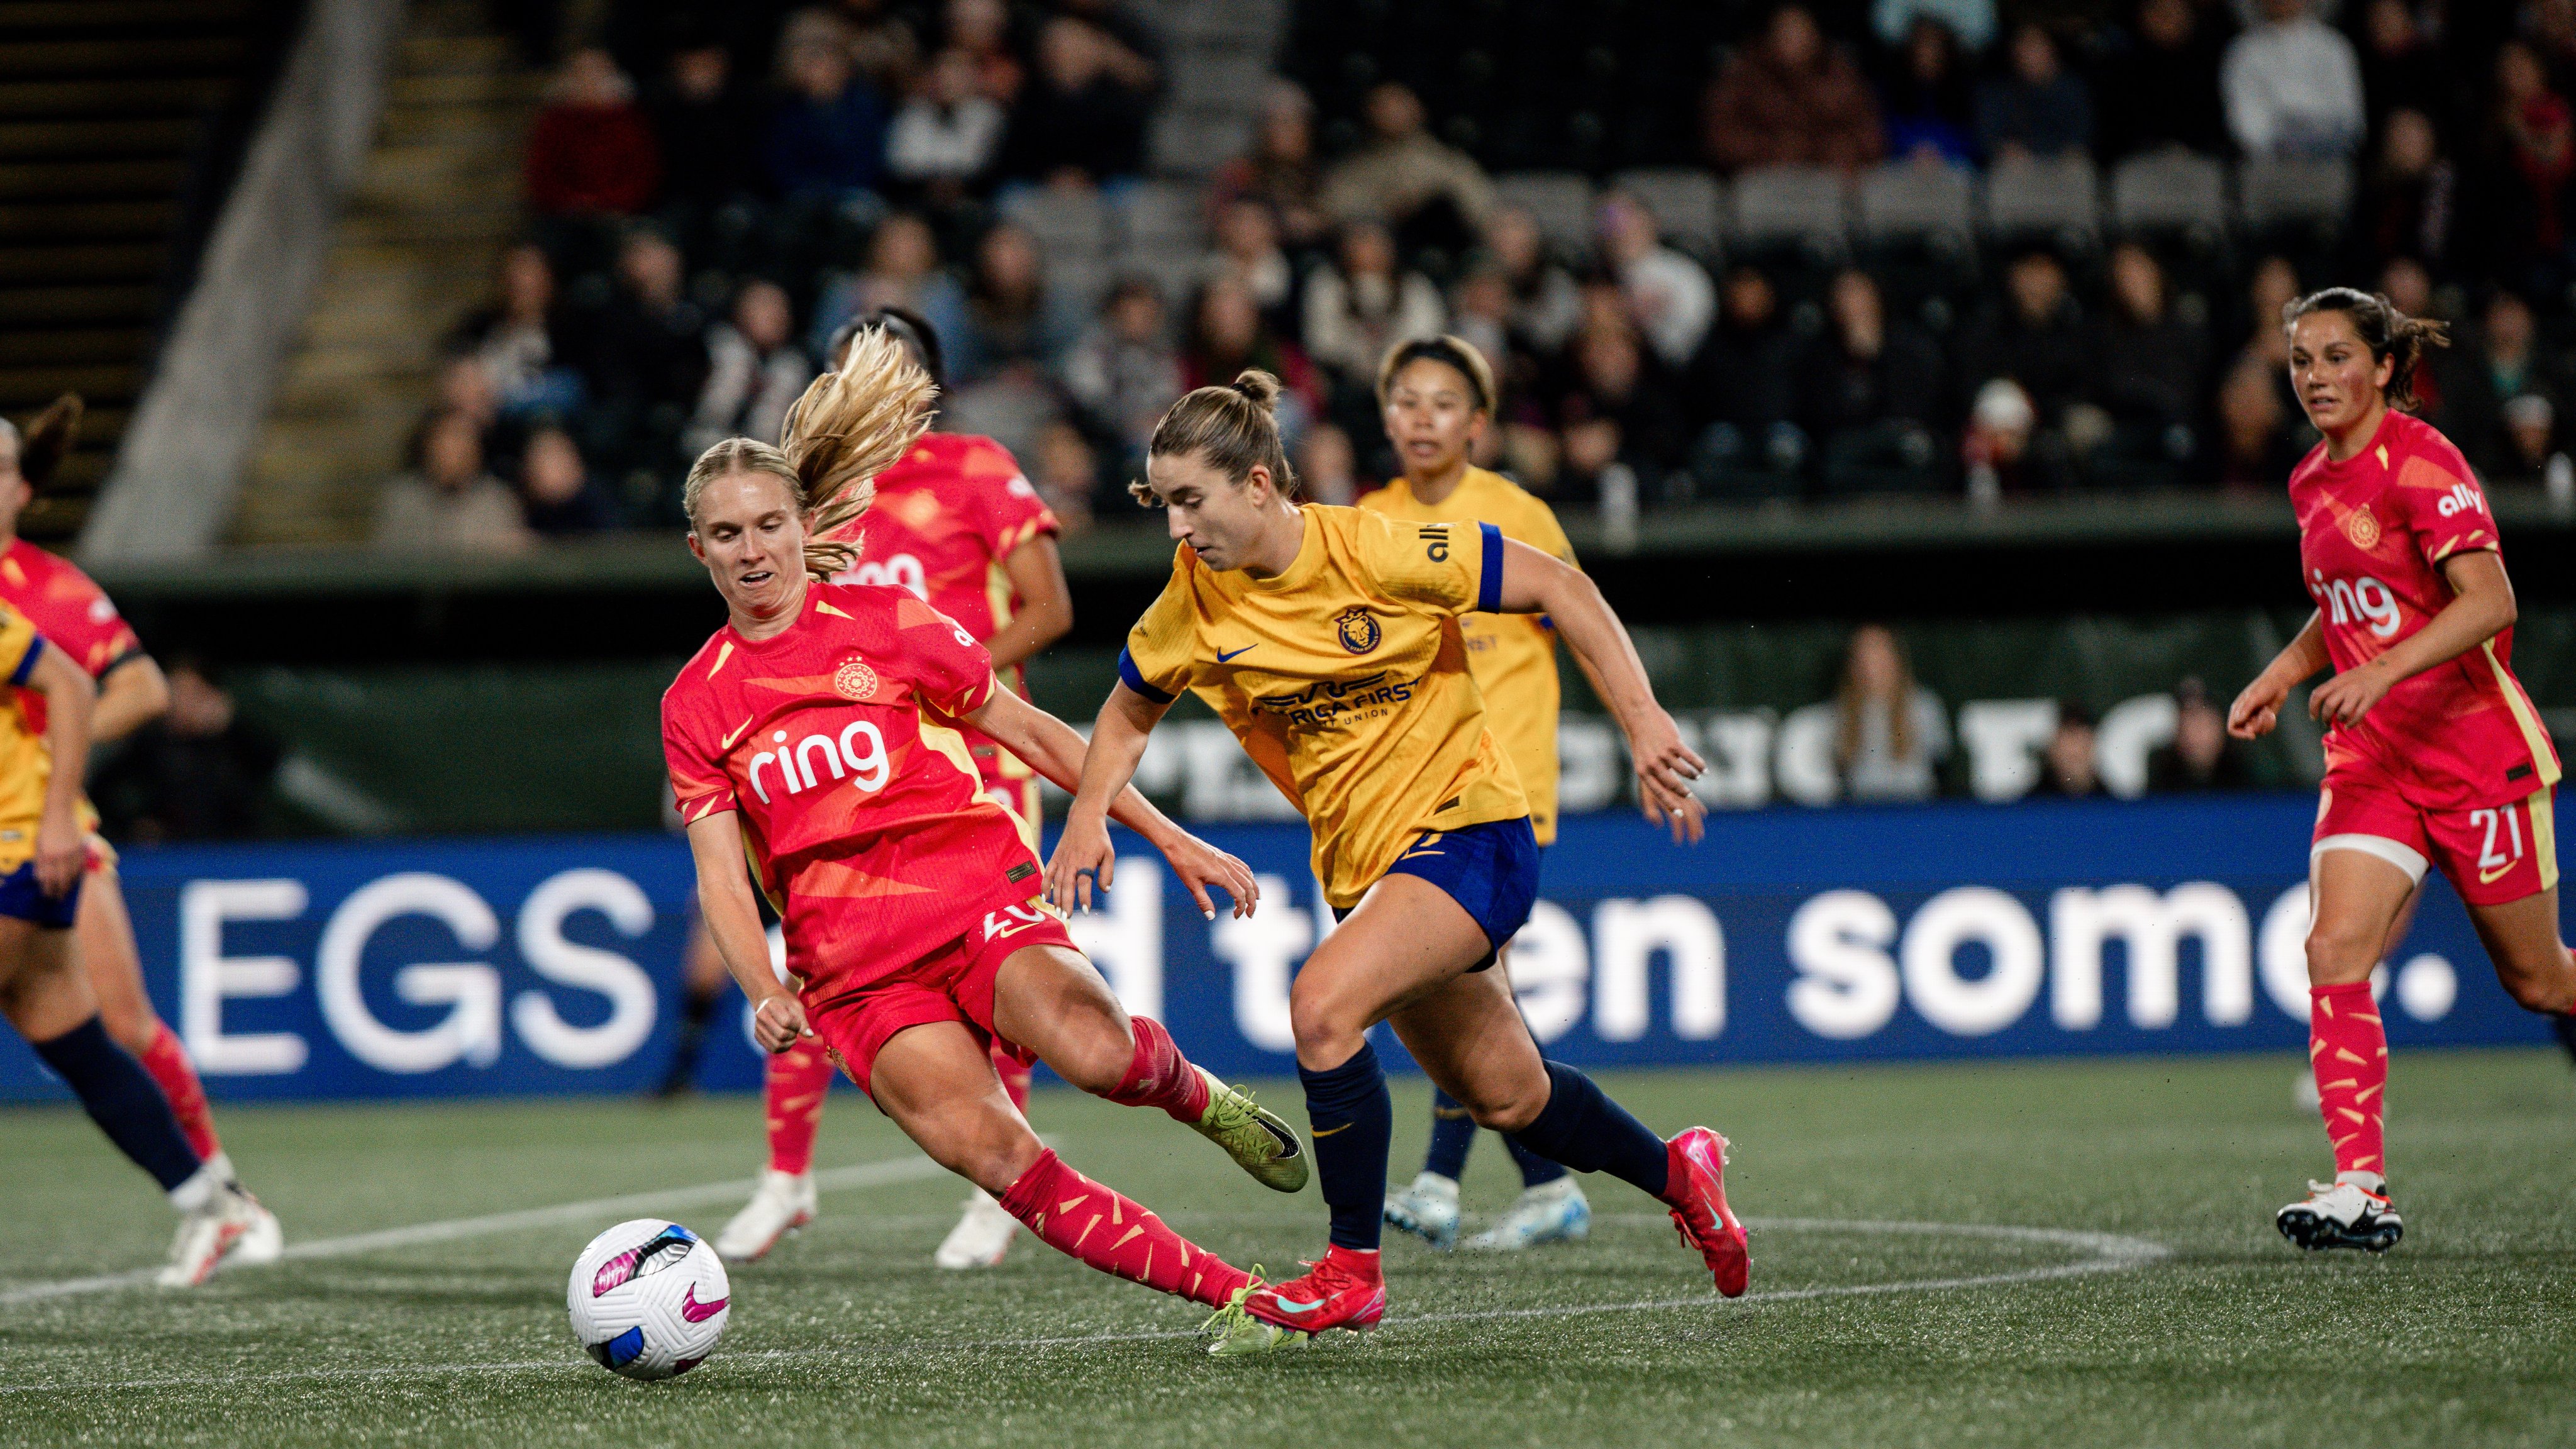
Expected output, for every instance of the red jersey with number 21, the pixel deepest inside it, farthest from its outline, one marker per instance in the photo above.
(835, 742)
(2374, 531)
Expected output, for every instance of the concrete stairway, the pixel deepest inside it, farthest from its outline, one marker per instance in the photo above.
(413, 252)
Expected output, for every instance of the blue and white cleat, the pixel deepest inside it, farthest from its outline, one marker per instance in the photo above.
(1428, 1210)
(1552, 1212)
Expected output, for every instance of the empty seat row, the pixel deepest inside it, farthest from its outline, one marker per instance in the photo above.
(1155, 216)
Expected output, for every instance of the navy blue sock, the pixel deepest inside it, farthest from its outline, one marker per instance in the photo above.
(122, 1100)
(1351, 1119)
(1452, 1133)
(1536, 1171)
(1588, 1132)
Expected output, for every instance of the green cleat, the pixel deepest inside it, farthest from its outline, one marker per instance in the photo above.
(1233, 1333)
(1259, 1141)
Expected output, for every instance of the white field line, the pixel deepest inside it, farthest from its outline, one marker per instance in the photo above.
(2111, 1253)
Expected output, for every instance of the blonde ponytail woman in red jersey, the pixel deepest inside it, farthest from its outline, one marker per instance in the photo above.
(2435, 757)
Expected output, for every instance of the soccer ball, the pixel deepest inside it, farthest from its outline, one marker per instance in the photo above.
(648, 1299)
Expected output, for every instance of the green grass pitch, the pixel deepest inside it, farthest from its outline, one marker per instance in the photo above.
(2198, 1325)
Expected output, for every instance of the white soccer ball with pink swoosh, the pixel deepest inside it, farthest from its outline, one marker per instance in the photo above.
(648, 1299)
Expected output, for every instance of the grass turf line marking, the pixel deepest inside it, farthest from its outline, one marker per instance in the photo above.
(865, 1174)
(2112, 1253)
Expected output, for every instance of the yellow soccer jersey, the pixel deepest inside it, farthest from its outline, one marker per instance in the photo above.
(1513, 656)
(1346, 678)
(24, 764)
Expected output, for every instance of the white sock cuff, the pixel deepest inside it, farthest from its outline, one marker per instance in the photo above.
(198, 1190)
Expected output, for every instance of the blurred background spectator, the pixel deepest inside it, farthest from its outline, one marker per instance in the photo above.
(449, 501)
(2066, 763)
(1791, 98)
(2200, 756)
(199, 772)
(1890, 734)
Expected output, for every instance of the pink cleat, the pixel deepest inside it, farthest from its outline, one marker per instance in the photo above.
(1346, 1290)
(1696, 1192)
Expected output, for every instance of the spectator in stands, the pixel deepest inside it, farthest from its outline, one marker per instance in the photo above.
(1280, 173)
(1746, 374)
(557, 495)
(1327, 467)
(2066, 763)
(703, 128)
(520, 340)
(1014, 318)
(1899, 22)
(981, 30)
(2038, 109)
(590, 151)
(1067, 476)
(1869, 391)
(1430, 193)
(880, 38)
(755, 371)
(2293, 86)
(1669, 297)
(2154, 363)
(2000, 449)
(648, 355)
(903, 271)
(2200, 756)
(1545, 303)
(2401, 69)
(1790, 99)
(1890, 733)
(1616, 404)
(2257, 450)
(827, 134)
(2412, 198)
(2035, 335)
(465, 387)
(2530, 156)
(1083, 121)
(1928, 102)
(1228, 334)
(2503, 361)
(199, 772)
(1363, 304)
(1125, 371)
(2531, 441)
(449, 502)
(2159, 87)
(948, 133)
(1247, 251)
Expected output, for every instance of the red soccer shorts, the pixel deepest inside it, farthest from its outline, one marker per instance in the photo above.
(2492, 854)
(952, 983)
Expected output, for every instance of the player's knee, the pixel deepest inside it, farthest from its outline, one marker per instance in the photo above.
(2339, 955)
(1097, 1061)
(1329, 1024)
(2544, 985)
(1508, 1112)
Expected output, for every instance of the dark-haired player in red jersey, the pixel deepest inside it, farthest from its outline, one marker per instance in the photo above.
(816, 736)
(76, 617)
(956, 524)
(2434, 755)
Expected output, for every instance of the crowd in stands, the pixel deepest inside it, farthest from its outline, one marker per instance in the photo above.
(714, 190)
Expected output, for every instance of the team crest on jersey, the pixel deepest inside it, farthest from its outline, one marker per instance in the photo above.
(2362, 527)
(854, 679)
(1358, 629)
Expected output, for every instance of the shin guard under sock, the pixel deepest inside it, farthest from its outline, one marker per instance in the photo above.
(795, 1082)
(122, 1100)
(166, 1061)
(2348, 1049)
(1583, 1129)
(1350, 1119)
(1082, 1219)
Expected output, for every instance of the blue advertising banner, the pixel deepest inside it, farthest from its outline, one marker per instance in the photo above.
(443, 968)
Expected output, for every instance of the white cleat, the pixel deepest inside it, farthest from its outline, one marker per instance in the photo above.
(1552, 1212)
(206, 1233)
(980, 1238)
(2342, 1215)
(1428, 1210)
(783, 1203)
(262, 1243)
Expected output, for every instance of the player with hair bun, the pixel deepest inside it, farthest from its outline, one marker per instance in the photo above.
(1328, 640)
(2434, 755)
(816, 737)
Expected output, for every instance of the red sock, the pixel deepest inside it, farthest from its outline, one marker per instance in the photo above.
(1082, 1219)
(2348, 1049)
(795, 1083)
(1015, 1078)
(168, 1064)
(1160, 1076)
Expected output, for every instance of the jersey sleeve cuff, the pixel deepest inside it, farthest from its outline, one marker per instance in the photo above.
(1489, 584)
(27, 661)
(1129, 675)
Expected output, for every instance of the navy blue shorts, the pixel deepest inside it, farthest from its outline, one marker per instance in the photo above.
(21, 897)
(1491, 869)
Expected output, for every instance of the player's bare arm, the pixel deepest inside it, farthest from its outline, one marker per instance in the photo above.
(71, 698)
(724, 901)
(1049, 746)
(1083, 857)
(1534, 583)
(2258, 708)
(2481, 607)
(1036, 572)
(133, 693)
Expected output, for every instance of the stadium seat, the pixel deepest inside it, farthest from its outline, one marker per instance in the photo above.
(1805, 205)
(2058, 201)
(1215, 80)
(1163, 216)
(1191, 144)
(2169, 191)
(1906, 202)
(1687, 204)
(1561, 201)
(1065, 223)
(2276, 193)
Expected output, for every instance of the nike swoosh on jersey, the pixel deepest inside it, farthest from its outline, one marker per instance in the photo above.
(1224, 658)
(737, 734)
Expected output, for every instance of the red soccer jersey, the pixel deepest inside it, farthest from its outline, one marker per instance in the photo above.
(73, 613)
(835, 742)
(944, 519)
(2373, 532)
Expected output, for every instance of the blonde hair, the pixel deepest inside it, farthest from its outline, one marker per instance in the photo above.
(850, 425)
(1235, 427)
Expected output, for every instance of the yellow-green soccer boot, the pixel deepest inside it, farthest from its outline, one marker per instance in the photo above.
(1258, 1140)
